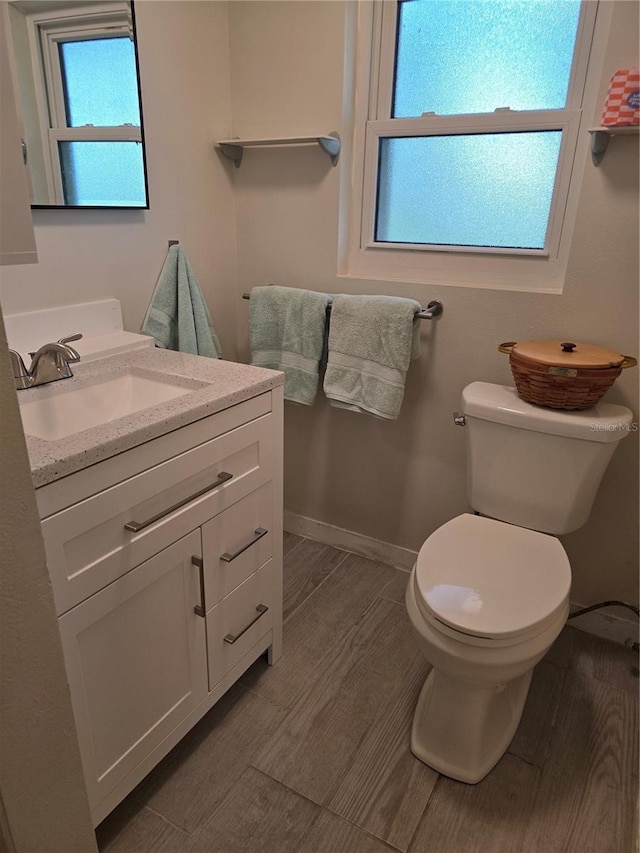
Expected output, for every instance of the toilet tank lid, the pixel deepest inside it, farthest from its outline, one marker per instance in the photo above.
(604, 422)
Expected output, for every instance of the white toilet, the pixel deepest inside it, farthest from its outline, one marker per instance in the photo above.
(489, 593)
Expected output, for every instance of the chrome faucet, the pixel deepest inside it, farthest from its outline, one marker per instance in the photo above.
(50, 363)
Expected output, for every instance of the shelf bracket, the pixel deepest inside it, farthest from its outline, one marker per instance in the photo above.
(599, 143)
(601, 136)
(330, 144)
(233, 152)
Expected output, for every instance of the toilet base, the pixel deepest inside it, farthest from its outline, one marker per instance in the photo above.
(461, 729)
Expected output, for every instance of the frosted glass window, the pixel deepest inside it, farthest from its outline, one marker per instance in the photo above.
(103, 173)
(472, 56)
(490, 190)
(100, 82)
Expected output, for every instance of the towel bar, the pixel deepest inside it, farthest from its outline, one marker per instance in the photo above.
(434, 309)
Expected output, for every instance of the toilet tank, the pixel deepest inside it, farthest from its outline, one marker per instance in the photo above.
(536, 467)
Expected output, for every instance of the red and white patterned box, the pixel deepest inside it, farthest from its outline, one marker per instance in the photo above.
(622, 108)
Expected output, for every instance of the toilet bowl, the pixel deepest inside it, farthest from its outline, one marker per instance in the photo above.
(486, 599)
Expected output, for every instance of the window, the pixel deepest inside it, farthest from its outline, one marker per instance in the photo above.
(466, 138)
(94, 154)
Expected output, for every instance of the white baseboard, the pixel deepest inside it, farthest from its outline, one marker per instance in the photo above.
(601, 623)
(347, 540)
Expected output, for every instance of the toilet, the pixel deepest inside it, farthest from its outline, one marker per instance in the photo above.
(489, 592)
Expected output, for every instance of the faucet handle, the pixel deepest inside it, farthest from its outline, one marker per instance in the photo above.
(21, 376)
(17, 364)
(75, 337)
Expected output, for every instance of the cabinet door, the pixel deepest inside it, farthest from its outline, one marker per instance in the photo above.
(136, 661)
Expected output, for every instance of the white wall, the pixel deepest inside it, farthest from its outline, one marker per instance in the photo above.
(184, 69)
(399, 481)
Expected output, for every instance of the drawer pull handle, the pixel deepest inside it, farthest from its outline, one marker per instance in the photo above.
(137, 526)
(259, 533)
(261, 609)
(200, 609)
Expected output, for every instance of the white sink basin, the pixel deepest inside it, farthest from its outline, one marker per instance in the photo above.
(62, 414)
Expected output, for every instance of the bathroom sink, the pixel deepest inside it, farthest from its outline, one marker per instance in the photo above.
(58, 415)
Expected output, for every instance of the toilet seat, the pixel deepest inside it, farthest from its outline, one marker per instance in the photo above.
(486, 582)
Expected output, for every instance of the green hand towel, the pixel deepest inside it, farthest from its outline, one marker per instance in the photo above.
(178, 317)
(372, 339)
(287, 329)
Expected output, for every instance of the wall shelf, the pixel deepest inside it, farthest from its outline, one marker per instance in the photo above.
(233, 148)
(600, 137)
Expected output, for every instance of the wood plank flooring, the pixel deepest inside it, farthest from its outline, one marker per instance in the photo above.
(312, 755)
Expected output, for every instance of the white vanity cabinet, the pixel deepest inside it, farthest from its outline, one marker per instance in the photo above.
(166, 566)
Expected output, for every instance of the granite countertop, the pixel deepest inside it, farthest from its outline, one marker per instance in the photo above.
(214, 385)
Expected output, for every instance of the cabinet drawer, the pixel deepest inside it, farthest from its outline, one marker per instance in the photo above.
(96, 541)
(238, 622)
(236, 543)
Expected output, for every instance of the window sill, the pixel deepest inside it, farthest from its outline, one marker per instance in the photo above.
(471, 270)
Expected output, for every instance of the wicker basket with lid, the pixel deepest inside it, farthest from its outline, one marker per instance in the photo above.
(561, 374)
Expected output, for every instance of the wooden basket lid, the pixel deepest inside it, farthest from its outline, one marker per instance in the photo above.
(568, 354)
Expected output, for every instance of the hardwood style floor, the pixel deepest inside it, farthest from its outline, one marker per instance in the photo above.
(312, 755)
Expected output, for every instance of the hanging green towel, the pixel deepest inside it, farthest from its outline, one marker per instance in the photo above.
(287, 329)
(178, 317)
(372, 340)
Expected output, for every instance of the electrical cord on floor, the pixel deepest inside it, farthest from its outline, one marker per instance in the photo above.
(584, 610)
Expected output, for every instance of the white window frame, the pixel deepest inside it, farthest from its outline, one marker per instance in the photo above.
(46, 30)
(373, 46)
